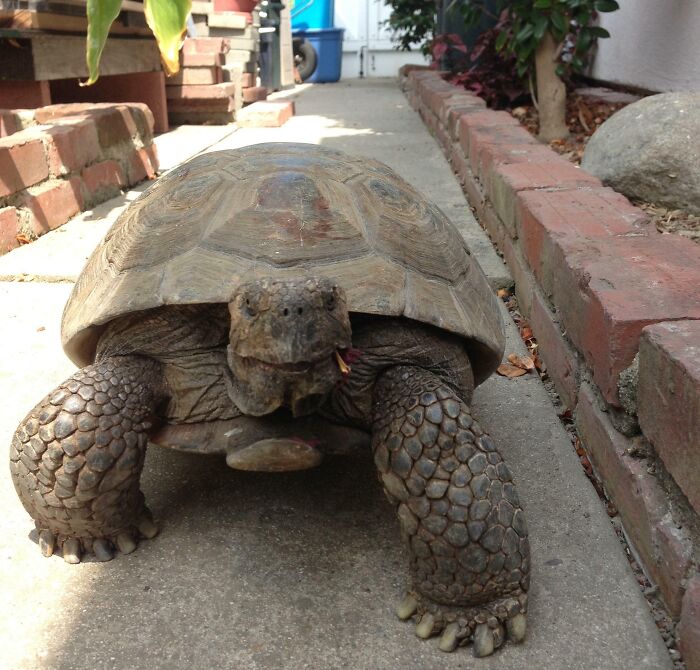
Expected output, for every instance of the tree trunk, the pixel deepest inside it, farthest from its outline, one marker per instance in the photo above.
(551, 92)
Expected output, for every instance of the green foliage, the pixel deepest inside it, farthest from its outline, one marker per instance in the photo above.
(412, 22)
(166, 18)
(568, 21)
(100, 15)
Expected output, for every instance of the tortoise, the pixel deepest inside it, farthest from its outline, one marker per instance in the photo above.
(268, 303)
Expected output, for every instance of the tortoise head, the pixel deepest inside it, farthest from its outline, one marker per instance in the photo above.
(284, 343)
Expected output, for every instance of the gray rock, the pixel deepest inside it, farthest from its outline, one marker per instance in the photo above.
(651, 150)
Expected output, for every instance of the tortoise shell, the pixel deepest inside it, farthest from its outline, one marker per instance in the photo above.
(282, 210)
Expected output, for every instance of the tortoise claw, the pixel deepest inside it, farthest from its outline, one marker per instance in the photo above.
(425, 626)
(147, 528)
(72, 551)
(102, 550)
(449, 638)
(483, 641)
(407, 607)
(126, 543)
(517, 627)
(47, 542)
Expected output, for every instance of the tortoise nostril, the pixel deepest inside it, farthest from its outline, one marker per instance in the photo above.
(285, 312)
(300, 310)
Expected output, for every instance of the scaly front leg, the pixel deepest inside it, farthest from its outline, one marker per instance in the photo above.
(77, 457)
(459, 513)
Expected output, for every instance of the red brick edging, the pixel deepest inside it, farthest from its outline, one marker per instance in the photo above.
(58, 160)
(593, 277)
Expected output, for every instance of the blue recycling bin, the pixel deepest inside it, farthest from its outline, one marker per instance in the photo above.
(312, 14)
(328, 44)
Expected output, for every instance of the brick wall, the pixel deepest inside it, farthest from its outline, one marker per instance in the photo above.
(615, 307)
(58, 160)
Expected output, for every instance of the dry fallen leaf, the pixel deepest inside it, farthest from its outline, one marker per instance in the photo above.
(524, 362)
(526, 333)
(508, 370)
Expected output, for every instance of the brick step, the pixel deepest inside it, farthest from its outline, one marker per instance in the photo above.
(237, 20)
(201, 59)
(254, 94)
(79, 155)
(265, 114)
(193, 92)
(197, 76)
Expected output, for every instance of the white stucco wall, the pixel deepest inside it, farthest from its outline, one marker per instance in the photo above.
(654, 44)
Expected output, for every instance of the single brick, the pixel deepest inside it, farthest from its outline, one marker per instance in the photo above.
(668, 399)
(71, 145)
(200, 59)
(436, 93)
(9, 229)
(9, 122)
(459, 98)
(52, 204)
(212, 92)
(454, 111)
(254, 94)
(114, 124)
(247, 79)
(548, 221)
(142, 164)
(689, 625)
(201, 105)
(103, 181)
(22, 162)
(265, 114)
(195, 75)
(198, 45)
(50, 113)
(529, 167)
(143, 119)
(469, 123)
(484, 140)
(640, 500)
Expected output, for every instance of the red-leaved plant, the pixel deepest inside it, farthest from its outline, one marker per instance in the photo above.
(489, 73)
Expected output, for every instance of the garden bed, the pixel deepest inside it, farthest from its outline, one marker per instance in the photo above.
(585, 113)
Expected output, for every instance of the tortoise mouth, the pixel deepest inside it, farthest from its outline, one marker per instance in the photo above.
(301, 366)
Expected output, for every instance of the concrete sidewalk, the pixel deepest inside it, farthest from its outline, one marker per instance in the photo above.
(301, 570)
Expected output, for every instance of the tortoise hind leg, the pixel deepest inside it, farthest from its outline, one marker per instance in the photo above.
(459, 513)
(77, 457)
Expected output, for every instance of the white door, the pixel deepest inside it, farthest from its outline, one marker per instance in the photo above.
(367, 47)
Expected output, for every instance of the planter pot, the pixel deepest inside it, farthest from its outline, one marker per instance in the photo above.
(234, 5)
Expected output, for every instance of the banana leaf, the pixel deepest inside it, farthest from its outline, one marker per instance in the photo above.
(100, 15)
(166, 18)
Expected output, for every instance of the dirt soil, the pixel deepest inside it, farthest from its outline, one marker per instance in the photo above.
(584, 115)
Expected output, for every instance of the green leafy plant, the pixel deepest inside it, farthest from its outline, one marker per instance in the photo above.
(482, 68)
(412, 22)
(166, 18)
(550, 39)
(568, 21)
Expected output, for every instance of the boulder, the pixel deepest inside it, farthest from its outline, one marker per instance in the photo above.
(650, 150)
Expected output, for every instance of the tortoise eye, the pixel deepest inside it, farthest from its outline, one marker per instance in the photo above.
(330, 302)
